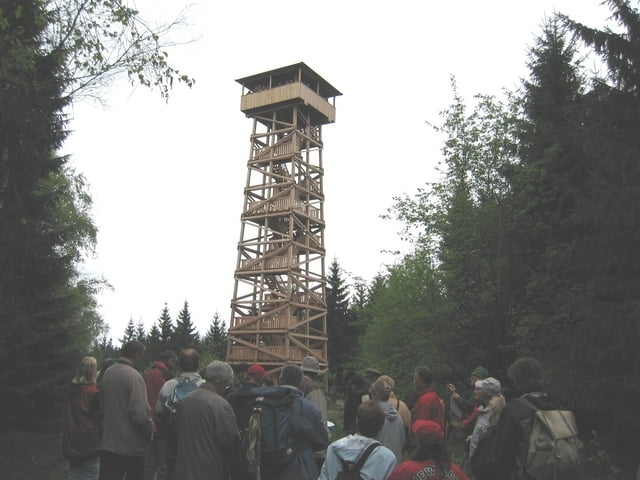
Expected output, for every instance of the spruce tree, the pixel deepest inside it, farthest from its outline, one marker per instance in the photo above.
(342, 337)
(48, 315)
(129, 333)
(606, 310)
(215, 340)
(185, 334)
(165, 324)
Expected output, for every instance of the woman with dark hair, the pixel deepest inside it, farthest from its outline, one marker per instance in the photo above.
(431, 459)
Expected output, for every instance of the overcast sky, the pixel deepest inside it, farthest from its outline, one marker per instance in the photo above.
(167, 179)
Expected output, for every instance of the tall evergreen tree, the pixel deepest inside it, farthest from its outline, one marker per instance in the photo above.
(607, 310)
(185, 334)
(342, 326)
(141, 335)
(215, 340)
(165, 324)
(546, 189)
(48, 312)
(129, 333)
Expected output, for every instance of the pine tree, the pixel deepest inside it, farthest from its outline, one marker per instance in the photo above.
(605, 295)
(185, 334)
(141, 335)
(215, 340)
(153, 344)
(342, 333)
(48, 314)
(129, 333)
(165, 324)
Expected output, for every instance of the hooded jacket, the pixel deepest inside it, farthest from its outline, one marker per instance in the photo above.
(378, 466)
(392, 435)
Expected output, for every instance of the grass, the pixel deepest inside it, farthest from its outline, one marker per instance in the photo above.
(32, 456)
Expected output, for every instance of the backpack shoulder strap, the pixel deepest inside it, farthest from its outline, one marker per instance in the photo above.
(527, 403)
(365, 455)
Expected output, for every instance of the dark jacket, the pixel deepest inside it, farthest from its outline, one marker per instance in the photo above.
(82, 422)
(310, 434)
(513, 431)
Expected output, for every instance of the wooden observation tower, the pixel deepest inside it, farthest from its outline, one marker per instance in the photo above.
(278, 310)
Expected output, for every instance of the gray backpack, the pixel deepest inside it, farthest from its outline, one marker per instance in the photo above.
(554, 450)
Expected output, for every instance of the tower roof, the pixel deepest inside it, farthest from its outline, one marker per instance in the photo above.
(326, 90)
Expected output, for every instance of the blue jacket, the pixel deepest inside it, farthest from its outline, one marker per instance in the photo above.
(378, 466)
(310, 434)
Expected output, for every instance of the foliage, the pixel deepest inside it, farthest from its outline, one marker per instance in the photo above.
(528, 244)
(129, 332)
(340, 346)
(214, 343)
(185, 334)
(405, 309)
(459, 226)
(102, 39)
(48, 311)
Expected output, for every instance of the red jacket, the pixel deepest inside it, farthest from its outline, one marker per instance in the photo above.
(154, 380)
(426, 470)
(82, 423)
(429, 407)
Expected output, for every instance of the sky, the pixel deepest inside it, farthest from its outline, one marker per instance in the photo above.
(167, 179)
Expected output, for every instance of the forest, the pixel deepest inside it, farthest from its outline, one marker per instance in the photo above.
(525, 246)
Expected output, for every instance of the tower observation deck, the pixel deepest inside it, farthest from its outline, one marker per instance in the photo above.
(278, 309)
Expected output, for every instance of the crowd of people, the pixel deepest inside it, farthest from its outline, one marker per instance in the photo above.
(202, 423)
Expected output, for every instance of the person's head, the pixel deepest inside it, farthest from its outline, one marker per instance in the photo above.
(371, 375)
(310, 366)
(527, 375)
(486, 389)
(430, 442)
(189, 360)
(255, 374)
(86, 371)
(389, 380)
(133, 351)
(369, 418)
(357, 384)
(169, 358)
(291, 375)
(381, 389)
(219, 375)
(422, 378)
(478, 373)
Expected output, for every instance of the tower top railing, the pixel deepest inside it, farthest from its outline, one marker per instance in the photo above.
(296, 73)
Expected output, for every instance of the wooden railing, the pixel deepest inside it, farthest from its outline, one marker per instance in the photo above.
(269, 354)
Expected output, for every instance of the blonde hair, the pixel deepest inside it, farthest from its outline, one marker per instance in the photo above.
(496, 405)
(86, 371)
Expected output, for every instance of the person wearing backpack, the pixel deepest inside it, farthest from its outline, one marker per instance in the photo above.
(431, 460)
(306, 430)
(360, 456)
(170, 396)
(516, 457)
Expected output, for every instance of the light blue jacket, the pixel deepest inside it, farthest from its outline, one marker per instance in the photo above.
(378, 466)
(392, 435)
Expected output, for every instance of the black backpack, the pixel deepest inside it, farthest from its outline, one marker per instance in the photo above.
(483, 457)
(351, 470)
